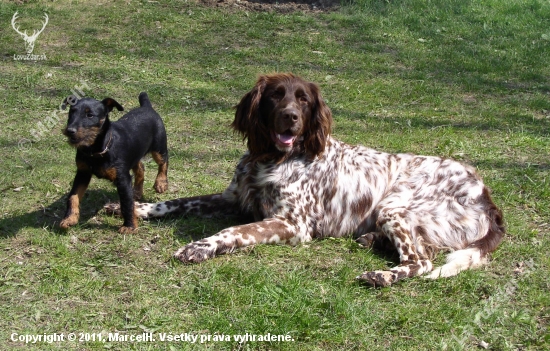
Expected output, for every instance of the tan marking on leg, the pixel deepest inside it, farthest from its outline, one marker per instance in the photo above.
(74, 208)
(139, 175)
(127, 230)
(130, 230)
(161, 182)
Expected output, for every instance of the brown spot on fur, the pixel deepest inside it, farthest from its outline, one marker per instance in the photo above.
(420, 231)
(362, 205)
(222, 247)
(405, 250)
(109, 173)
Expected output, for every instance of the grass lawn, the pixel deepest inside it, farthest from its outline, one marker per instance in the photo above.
(463, 79)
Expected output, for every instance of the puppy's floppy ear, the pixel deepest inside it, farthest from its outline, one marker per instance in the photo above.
(320, 124)
(111, 103)
(69, 100)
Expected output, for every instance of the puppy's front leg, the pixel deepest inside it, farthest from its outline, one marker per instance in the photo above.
(268, 231)
(80, 184)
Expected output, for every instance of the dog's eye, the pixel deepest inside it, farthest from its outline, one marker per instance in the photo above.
(303, 99)
(89, 115)
(277, 95)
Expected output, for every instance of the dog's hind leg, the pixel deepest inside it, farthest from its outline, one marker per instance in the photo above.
(161, 182)
(396, 225)
(139, 176)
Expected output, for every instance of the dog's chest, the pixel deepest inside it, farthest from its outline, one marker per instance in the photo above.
(100, 166)
(285, 189)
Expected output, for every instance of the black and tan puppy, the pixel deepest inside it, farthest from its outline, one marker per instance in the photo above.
(111, 149)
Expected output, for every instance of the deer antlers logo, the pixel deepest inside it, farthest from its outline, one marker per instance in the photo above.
(29, 39)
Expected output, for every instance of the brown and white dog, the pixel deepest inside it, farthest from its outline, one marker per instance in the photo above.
(299, 183)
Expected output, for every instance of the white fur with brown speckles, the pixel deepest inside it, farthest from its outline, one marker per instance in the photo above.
(422, 204)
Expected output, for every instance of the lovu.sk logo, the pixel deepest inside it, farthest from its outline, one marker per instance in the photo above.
(29, 40)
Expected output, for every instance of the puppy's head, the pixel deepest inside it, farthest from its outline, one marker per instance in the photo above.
(86, 119)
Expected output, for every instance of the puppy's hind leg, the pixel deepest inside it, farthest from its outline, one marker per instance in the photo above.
(139, 176)
(161, 182)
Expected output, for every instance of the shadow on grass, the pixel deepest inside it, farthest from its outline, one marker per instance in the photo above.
(50, 216)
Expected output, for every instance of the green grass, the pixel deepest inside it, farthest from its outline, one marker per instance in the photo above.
(461, 79)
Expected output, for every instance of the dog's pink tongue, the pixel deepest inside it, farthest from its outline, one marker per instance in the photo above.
(286, 139)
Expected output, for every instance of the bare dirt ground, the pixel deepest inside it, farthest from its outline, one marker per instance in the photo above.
(282, 6)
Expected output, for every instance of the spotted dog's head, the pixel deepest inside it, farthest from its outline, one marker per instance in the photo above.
(283, 113)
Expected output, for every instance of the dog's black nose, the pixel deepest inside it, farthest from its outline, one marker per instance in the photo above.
(70, 131)
(290, 115)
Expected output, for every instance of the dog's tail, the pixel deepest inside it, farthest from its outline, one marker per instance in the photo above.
(144, 100)
(475, 254)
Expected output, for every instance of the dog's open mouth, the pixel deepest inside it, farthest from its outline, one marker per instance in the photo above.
(284, 140)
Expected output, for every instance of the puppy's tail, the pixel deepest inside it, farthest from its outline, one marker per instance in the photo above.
(144, 100)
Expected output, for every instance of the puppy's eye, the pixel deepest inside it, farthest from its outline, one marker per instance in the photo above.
(89, 115)
(303, 99)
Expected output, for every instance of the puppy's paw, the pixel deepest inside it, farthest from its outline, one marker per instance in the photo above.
(112, 208)
(138, 193)
(127, 230)
(68, 222)
(161, 185)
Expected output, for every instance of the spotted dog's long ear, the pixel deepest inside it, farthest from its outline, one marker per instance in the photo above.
(247, 119)
(320, 125)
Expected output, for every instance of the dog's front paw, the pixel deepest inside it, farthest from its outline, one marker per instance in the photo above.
(68, 222)
(127, 230)
(196, 252)
(112, 208)
(378, 278)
